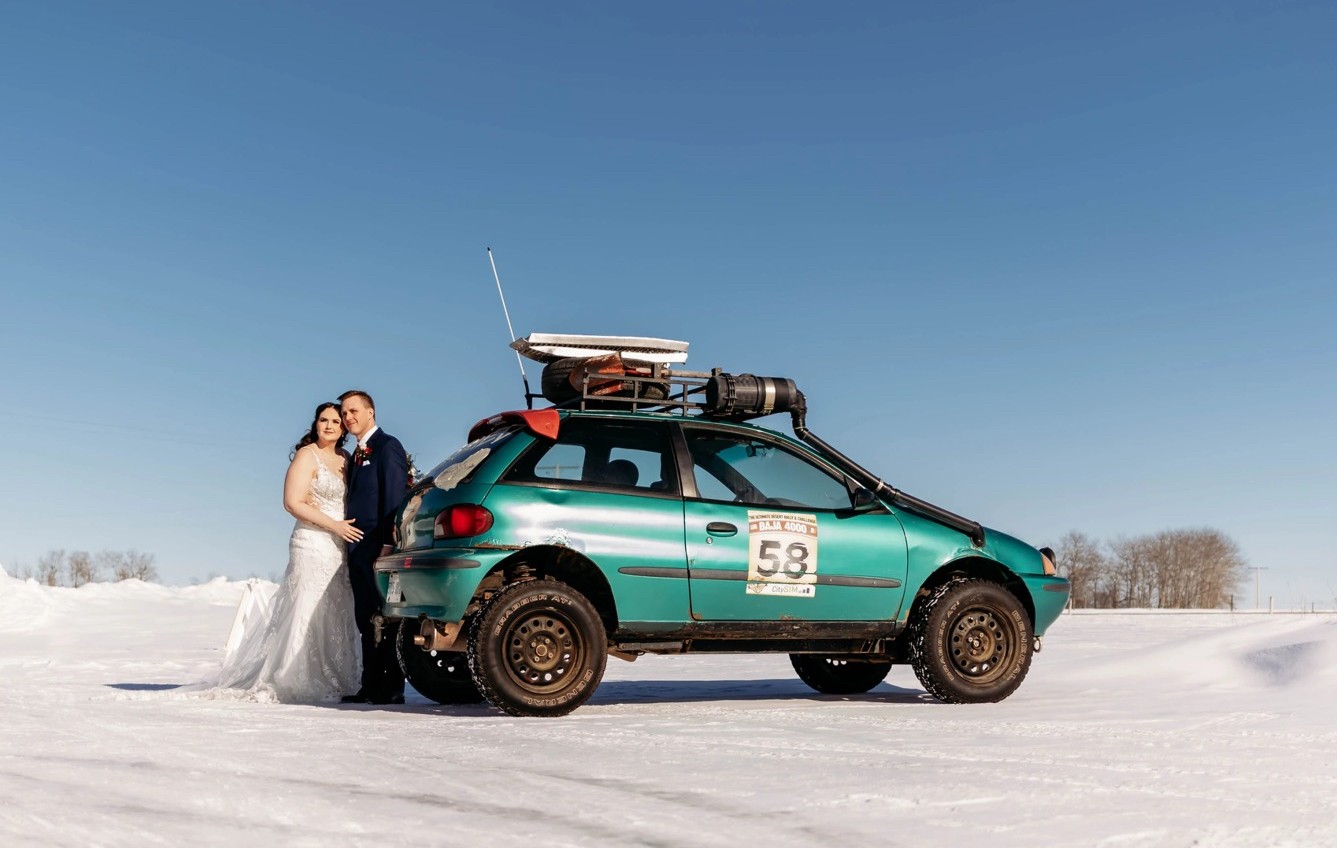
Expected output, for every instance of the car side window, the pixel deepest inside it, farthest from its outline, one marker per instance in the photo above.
(601, 453)
(738, 468)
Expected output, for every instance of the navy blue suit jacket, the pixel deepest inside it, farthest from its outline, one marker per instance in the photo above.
(375, 490)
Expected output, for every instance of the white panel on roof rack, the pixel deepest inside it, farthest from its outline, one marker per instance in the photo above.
(549, 347)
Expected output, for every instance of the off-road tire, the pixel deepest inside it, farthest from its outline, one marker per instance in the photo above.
(836, 675)
(555, 384)
(556, 380)
(970, 642)
(537, 649)
(441, 676)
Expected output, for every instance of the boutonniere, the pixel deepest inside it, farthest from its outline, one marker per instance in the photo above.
(361, 455)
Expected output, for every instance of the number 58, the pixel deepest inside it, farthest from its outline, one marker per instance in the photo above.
(794, 561)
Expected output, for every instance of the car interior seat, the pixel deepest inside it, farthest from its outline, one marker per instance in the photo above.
(621, 472)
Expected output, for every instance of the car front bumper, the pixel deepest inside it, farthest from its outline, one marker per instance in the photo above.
(1050, 596)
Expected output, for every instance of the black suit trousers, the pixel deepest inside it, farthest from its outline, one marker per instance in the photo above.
(380, 666)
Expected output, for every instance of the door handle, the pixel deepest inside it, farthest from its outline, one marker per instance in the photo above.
(721, 528)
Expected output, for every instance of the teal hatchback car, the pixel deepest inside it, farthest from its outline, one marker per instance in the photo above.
(662, 522)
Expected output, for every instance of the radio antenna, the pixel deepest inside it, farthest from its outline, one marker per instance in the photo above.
(529, 399)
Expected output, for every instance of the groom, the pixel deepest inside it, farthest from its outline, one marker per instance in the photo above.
(377, 480)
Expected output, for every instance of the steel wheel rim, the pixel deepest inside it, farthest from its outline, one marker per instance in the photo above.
(450, 666)
(541, 650)
(982, 643)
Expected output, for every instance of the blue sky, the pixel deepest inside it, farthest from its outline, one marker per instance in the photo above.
(1056, 266)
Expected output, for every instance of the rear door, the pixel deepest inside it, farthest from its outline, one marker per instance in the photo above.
(771, 534)
(607, 490)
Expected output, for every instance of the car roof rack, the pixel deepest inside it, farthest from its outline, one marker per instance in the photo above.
(713, 394)
(681, 392)
(644, 374)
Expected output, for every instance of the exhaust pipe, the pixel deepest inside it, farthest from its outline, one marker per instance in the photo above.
(438, 636)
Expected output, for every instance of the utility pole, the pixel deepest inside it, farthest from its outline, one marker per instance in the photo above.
(1257, 585)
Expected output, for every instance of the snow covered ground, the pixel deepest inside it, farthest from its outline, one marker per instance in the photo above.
(1131, 730)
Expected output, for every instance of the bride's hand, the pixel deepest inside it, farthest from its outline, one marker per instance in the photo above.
(346, 531)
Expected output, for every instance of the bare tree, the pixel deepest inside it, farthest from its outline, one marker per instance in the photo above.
(51, 568)
(1176, 569)
(82, 569)
(1133, 572)
(136, 566)
(111, 562)
(1200, 568)
(56, 568)
(1081, 560)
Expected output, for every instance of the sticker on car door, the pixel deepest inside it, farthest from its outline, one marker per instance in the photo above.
(782, 554)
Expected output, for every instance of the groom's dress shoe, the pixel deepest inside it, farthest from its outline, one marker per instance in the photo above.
(360, 697)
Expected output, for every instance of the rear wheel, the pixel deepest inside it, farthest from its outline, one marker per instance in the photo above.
(834, 675)
(970, 642)
(538, 649)
(441, 676)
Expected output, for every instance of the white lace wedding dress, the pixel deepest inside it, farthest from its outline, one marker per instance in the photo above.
(306, 649)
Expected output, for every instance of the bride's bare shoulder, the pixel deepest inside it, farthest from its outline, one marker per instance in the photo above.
(304, 459)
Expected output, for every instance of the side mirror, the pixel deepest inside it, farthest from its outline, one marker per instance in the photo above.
(863, 499)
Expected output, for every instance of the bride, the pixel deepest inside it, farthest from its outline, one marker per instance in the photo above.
(307, 649)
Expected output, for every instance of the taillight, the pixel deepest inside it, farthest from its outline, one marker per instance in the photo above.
(460, 521)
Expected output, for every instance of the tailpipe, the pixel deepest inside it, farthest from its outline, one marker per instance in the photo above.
(438, 636)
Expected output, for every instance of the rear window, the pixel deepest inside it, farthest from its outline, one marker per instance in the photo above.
(460, 466)
(598, 453)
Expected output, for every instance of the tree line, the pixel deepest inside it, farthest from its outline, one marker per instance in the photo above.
(76, 568)
(1173, 569)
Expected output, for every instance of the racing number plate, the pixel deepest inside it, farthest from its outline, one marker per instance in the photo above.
(782, 554)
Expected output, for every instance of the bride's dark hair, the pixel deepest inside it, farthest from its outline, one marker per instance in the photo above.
(312, 437)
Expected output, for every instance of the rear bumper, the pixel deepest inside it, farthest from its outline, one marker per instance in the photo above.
(437, 583)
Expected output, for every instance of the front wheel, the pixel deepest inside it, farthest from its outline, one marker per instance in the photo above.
(441, 676)
(970, 642)
(538, 649)
(834, 675)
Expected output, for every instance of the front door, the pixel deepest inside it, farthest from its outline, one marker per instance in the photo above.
(772, 535)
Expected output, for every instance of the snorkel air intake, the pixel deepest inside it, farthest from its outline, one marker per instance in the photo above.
(749, 396)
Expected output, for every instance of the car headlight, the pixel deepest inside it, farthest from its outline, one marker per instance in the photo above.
(1051, 561)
